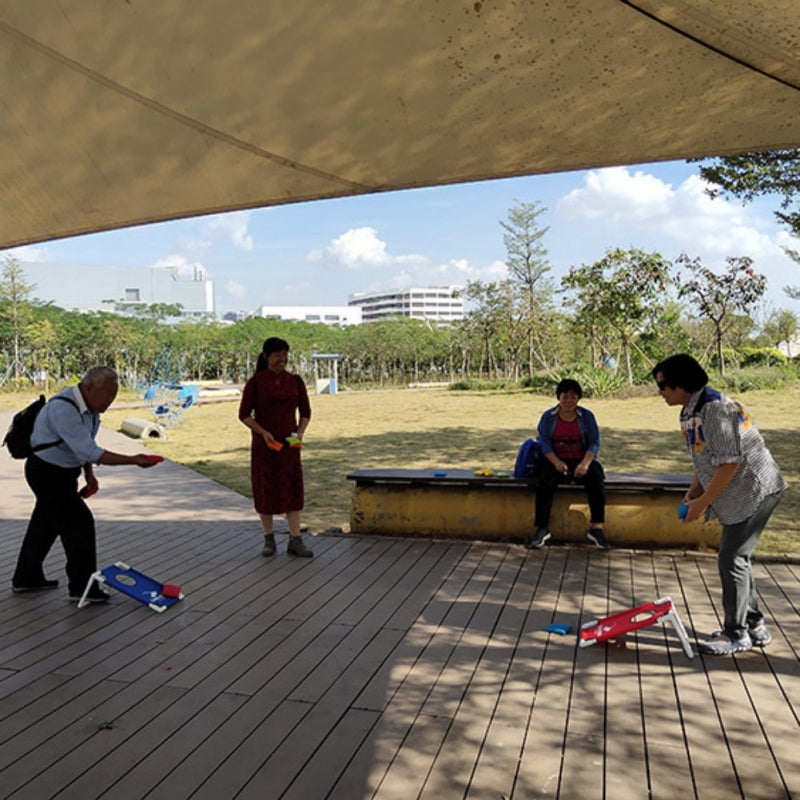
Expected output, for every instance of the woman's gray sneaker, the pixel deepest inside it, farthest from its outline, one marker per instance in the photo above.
(720, 644)
(760, 635)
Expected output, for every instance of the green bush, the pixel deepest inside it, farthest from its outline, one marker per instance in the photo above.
(595, 382)
(539, 384)
(761, 356)
(481, 385)
(745, 380)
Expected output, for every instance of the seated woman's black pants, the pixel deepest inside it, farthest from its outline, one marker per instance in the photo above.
(547, 484)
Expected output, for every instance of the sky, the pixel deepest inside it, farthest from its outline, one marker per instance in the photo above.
(319, 253)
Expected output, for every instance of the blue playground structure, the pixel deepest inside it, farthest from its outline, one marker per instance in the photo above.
(167, 402)
(166, 397)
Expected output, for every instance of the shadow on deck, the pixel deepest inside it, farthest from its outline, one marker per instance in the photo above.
(383, 667)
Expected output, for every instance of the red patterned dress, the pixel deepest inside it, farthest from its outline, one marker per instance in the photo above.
(276, 475)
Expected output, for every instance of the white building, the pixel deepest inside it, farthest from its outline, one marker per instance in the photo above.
(330, 315)
(790, 347)
(435, 303)
(102, 288)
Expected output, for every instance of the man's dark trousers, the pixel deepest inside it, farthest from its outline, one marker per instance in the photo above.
(59, 511)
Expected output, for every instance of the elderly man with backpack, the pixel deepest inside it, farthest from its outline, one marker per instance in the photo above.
(62, 445)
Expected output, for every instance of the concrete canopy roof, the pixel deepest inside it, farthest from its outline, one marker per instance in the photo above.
(121, 112)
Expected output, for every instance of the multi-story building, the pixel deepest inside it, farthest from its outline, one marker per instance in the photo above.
(329, 315)
(103, 288)
(435, 303)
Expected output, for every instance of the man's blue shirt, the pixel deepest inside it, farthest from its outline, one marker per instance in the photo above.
(75, 427)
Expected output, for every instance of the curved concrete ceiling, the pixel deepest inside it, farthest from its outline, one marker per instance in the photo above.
(121, 112)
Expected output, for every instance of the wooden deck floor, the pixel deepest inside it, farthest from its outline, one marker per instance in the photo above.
(382, 668)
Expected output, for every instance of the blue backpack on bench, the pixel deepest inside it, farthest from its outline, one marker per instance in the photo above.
(527, 457)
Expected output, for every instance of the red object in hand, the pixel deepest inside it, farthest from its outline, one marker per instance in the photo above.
(170, 590)
(275, 445)
(88, 491)
(155, 459)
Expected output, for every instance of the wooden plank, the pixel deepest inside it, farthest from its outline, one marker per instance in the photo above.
(478, 661)
(328, 762)
(713, 765)
(592, 697)
(429, 645)
(346, 642)
(388, 667)
(546, 663)
(147, 750)
(416, 477)
(757, 772)
(282, 772)
(508, 707)
(659, 654)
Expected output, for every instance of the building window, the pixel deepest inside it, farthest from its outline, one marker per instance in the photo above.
(132, 295)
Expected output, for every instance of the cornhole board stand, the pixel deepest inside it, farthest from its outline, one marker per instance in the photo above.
(616, 625)
(133, 583)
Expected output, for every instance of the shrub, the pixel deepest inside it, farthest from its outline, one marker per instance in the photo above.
(480, 385)
(761, 356)
(745, 380)
(595, 382)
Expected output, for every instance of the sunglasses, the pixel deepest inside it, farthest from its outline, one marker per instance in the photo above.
(661, 385)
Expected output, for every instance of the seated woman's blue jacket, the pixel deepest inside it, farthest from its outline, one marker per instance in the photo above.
(587, 425)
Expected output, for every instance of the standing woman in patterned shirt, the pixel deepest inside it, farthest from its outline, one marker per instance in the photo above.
(275, 407)
(736, 480)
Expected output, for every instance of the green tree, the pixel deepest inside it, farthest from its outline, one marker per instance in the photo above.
(750, 175)
(42, 337)
(487, 320)
(781, 326)
(719, 298)
(14, 293)
(625, 290)
(526, 259)
(767, 173)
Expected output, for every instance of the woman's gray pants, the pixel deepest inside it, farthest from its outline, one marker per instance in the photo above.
(739, 596)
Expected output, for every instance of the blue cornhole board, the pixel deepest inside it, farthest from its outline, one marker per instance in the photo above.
(133, 583)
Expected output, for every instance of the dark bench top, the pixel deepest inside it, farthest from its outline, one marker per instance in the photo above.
(615, 481)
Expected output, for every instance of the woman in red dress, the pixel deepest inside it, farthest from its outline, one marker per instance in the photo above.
(276, 409)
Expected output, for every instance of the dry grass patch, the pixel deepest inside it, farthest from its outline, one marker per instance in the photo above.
(440, 429)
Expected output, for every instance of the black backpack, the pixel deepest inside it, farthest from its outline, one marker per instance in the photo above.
(18, 436)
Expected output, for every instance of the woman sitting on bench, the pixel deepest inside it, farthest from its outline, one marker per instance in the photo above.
(568, 444)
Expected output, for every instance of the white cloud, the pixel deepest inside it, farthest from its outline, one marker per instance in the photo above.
(363, 249)
(358, 248)
(497, 271)
(232, 226)
(297, 288)
(194, 245)
(618, 207)
(617, 196)
(32, 254)
(235, 289)
(643, 205)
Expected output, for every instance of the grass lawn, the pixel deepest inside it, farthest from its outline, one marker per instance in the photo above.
(433, 428)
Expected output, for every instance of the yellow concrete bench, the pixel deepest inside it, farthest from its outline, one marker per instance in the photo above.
(641, 509)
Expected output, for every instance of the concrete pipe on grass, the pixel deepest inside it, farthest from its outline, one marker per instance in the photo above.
(143, 429)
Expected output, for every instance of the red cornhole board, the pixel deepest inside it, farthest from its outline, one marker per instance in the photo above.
(154, 594)
(616, 625)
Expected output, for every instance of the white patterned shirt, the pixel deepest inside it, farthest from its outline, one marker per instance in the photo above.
(718, 430)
